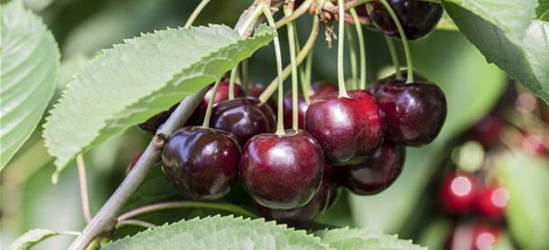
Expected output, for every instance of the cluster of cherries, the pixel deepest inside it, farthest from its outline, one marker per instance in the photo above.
(356, 139)
(475, 196)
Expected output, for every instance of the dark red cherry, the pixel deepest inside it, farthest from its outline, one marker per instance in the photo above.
(418, 18)
(459, 193)
(244, 118)
(201, 162)
(222, 93)
(414, 112)
(288, 110)
(346, 128)
(475, 236)
(255, 89)
(282, 171)
(303, 217)
(376, 172)
(323, 88)
(487, 131)
(492, 200)
(534, 144)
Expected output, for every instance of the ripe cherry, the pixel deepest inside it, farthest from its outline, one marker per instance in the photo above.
(492, 200)
(477, 236)
(376, 172)
(414, 112)
(255, 89)
(417, 18)
(282, 171)
(487, 131)
(318, 89)
(201, 162)
(222, 93)
(346, 128)
(459, 193)
(244, 118)
(303, 217)
(323, 88)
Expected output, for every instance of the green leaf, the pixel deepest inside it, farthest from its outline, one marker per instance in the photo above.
(33, 237)
(523, 53)
(526, 178)
(30, 58)
(220, 233)
(542, 12)
(134, 81)
(364, 239)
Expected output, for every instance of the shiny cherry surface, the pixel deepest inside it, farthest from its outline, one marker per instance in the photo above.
(346, 128)
(417, 18)
(376, 172)
(459, 193)
(201, 163)
(492, 200)
(222, 93)
(303, 217)
(282, 171)
(414, 112)
(244, 118)
(318, 89)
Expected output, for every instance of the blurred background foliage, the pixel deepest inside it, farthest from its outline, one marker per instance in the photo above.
(409, 207)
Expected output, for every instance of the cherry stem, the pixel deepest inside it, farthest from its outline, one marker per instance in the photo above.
(405, 44)
(231, 82)
(196, 12)
(206, 122)
(394, 57)
(184, 204)
(245, 77)
(305, 83)
(306, 79)
(83, 187)
(278, 55)
(309, 44)
(352, 50)
(361, 47)
(341, 50)
(288, 8)
(295, 14)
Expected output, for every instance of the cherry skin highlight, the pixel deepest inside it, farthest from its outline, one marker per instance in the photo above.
(244, 118)
(376, 172)
(346, 128)
(459, 193)
(492, 200)
(414, 112)
(282, 171)
(303, 217)
(417, 18)
(201, 163)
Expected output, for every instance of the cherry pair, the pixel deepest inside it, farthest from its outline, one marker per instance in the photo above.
(461, 194)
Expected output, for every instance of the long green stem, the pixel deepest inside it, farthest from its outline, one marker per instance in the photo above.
(306, 79)
(394, 56)
(341, 50)
(231, 82)
(208, 115)
(196, 12)
(352, 50)
(361, 47)
(292, 41)
(405, 44)
(296, 14)
(278, 55)
(245, 77)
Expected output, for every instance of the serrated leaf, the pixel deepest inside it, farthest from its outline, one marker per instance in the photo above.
(33, 237)
(542, 12)
(220, 233)
(523, 54)
(135, 80)
(526, 178)
(364, 239)
(29, 63)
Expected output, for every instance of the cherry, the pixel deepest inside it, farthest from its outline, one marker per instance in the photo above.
(376, 172)
(492, 200)
(282, 171)
(459, 193)
(346, 128)
(319, 89)
(323, 88)
(244, 118)
(201, 162)
(414, 112)
(255, 89)
(476, 236)
(487, 131)
(417, 18)
(222, 93)
(303, 217)
(534, 144)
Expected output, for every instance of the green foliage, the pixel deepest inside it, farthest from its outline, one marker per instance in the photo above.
(542, 12)
(527, 181)
(33, 237)
(220, 233)
(30, 59)
(364, 239)
(506, 35)
(134, 81)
